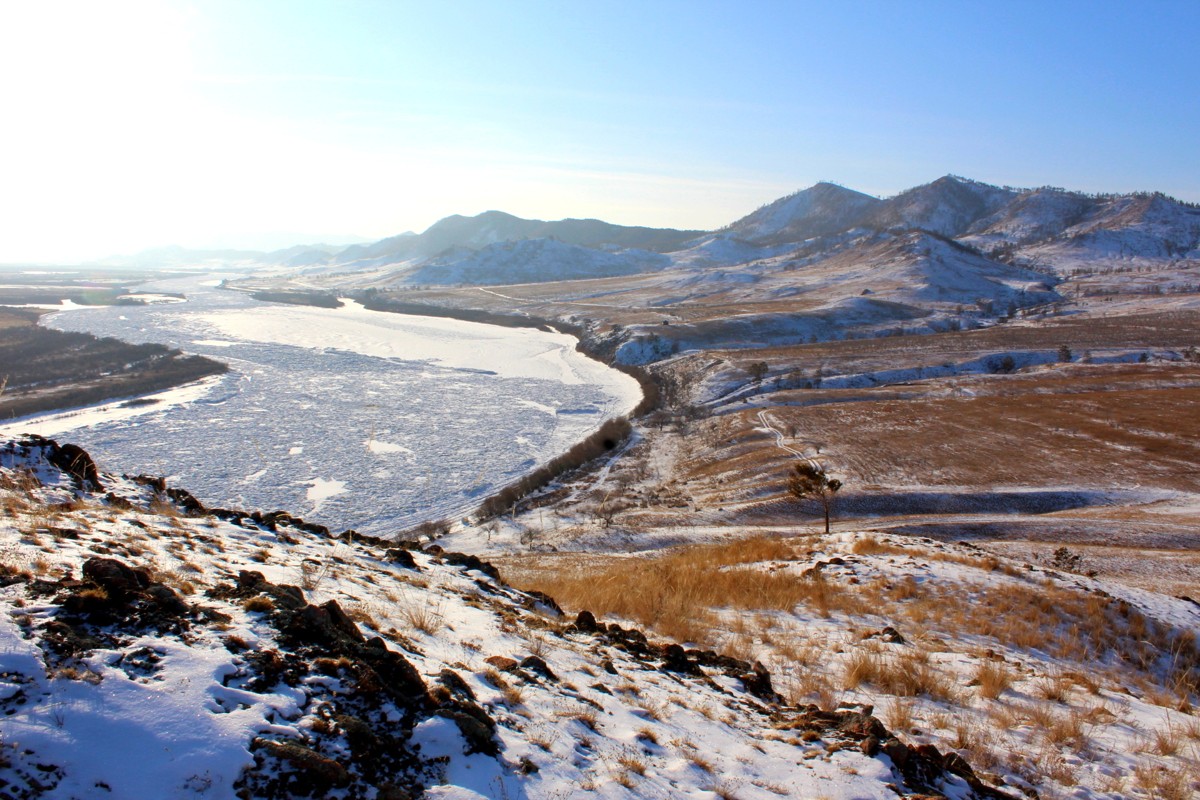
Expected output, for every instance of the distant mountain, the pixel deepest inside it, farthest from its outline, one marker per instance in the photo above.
(820, 210)
(947, 206)
(1050, 226)
(532, 261)
(303, 255)
(176, 256)
(491, 227)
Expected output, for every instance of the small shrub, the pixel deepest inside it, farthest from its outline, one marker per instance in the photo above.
(992, 679)
(260, 603)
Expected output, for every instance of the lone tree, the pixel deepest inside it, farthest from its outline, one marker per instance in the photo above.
(809, 481)
(757, 370)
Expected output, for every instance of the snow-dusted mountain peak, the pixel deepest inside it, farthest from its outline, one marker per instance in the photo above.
(820, 210)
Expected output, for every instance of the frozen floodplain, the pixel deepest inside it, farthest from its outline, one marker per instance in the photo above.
(363, 419)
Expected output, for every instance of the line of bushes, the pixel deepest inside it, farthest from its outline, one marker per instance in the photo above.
(606, 439)
(318, 299)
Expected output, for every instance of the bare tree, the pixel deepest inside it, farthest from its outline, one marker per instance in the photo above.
(809, 482)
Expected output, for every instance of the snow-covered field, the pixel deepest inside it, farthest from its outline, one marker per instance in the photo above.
(361, 419)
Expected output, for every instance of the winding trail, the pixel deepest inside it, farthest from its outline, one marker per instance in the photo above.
(766, 423)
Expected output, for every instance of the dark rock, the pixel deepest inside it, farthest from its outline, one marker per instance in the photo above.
(502, 663)
(757, 682)
(896, 750)
(114, 577)
(471, 562)
(585, 622)
(454, 682)
(546, 600)
(399, 678)
(870, 746)
(539, 666)
(75, 461)
(608, 666)
(953, 762)
(477, 735)
(676, 660)
(322, 771)
(402, 558)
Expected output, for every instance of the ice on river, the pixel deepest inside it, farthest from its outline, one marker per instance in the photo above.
(360, 419)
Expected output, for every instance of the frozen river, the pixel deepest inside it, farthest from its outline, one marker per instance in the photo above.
(348, 417)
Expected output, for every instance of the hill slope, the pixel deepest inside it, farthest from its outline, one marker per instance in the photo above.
(153, 648)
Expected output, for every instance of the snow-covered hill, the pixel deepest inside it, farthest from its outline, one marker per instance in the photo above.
(820, 210)
(153, 648)
(947, 206)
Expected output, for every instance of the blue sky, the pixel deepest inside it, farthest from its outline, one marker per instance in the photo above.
(256, 123)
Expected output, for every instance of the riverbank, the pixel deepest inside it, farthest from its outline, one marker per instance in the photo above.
(608, 439)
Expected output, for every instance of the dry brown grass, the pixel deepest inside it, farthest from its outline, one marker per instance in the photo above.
(1069, 625)
(898, 714)
(1162, 783)
(905, 674)
(992, 679)
(422, 613)
(260, 603)
(871, 545)
(675, 593)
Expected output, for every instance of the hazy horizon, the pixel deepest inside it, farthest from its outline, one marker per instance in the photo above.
(146, 124)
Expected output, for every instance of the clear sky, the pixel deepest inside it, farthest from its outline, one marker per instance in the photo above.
(129, 125)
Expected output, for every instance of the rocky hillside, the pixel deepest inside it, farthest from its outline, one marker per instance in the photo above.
(150, 647)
